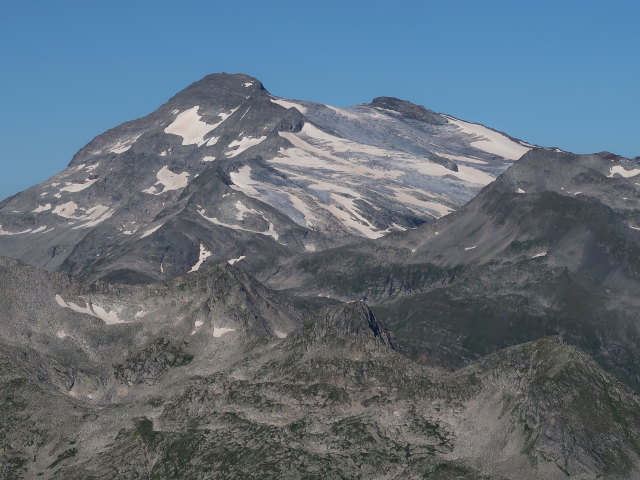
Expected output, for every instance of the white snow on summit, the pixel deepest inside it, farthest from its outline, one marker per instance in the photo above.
(490, 141)
(191, 128)
(288, 104)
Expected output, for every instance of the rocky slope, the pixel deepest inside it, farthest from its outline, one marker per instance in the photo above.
(552, 247)
(160, 397)
(224, 171)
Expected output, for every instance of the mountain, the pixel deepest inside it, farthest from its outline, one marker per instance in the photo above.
(225, 171)
(91, 388)
(187, 300)
(552, 247)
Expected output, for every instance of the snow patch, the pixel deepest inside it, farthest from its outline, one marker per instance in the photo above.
(470, 248)
(490, 141)
(124, 145)
(61, 334)
(140, 314)
(218, 332)
(94, 216)
(191, 128)
(343, 113)
(280, 334)
(541, 254)
(150, 231)
(270, 232)
(243, 209)
(623, 172)
(236, 260)
(66, 210)
(409, 197)
(460, 158)
(308, 217)
(243, 144)
(204, 254)
(208, 158)
(5, 232)
(197, 324)
(110, 318)
(287, 104)
(242, 181)
(78, 187)
(42, 208)
(521, 191)
(169, 180)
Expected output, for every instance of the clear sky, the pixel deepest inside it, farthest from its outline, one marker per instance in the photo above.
(557, 73)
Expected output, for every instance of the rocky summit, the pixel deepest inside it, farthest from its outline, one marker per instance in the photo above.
(243, 286)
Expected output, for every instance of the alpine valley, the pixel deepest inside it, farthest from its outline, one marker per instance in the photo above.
(243, 286)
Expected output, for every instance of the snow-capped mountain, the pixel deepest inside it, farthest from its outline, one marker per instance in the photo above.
(226, 172)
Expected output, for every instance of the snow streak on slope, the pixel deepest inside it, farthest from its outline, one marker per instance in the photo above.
(204, 254)
(192, 129)
(491, 141)
(348, 179)
(239, 146)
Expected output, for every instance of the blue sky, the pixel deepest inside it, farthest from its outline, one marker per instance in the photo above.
(562, 73)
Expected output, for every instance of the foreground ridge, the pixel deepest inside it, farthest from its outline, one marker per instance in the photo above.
(326, 395)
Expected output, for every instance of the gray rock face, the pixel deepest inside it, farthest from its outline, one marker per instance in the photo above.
(409, 110)
(224, 171)
(203, 385)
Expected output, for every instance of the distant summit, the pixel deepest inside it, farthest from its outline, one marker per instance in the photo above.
(409, 110)
(226, 172)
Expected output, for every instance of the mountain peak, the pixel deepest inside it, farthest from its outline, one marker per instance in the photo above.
(355, 319)
(409, 110)
(213, 87)
(229, 79)
(224, 172)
